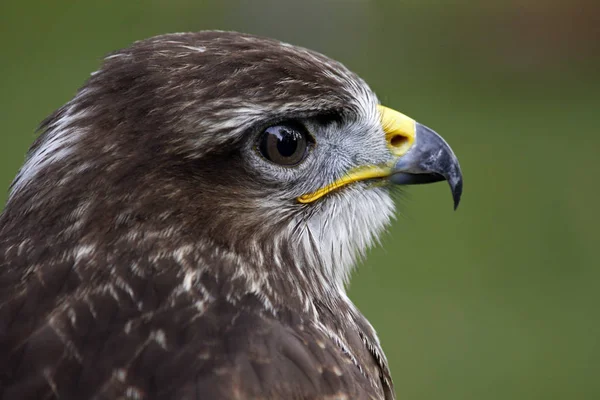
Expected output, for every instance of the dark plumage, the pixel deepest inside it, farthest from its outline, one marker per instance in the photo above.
(148, 251)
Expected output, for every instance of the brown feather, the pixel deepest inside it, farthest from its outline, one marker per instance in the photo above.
(134, 260)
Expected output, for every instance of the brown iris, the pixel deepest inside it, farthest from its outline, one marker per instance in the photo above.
(285, 144)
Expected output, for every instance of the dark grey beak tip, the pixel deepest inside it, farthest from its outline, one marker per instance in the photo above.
(456, 193)
(455, 180)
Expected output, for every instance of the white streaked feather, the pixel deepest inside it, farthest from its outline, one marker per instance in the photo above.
(60, 142)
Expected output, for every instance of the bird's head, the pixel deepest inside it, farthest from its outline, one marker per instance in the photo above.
(266, 151)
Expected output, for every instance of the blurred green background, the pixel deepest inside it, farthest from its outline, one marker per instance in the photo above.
(499, 300)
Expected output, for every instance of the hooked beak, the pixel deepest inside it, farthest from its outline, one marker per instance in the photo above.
(429, 160)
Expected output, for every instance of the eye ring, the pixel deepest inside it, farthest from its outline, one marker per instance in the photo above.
(286, 144)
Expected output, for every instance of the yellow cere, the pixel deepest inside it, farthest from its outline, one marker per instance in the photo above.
(400, 130)
(400, 136)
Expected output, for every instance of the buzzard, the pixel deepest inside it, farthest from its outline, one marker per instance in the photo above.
(185, 226)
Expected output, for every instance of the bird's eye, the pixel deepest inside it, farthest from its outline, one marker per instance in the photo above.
(286, 144)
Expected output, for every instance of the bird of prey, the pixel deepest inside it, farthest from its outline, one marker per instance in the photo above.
(185, 227)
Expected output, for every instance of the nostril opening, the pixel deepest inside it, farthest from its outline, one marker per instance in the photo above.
(398, 140)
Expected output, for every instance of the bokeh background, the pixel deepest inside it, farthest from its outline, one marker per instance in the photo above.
(499, 300)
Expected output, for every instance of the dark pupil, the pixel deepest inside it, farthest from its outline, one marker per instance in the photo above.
(287, 142)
